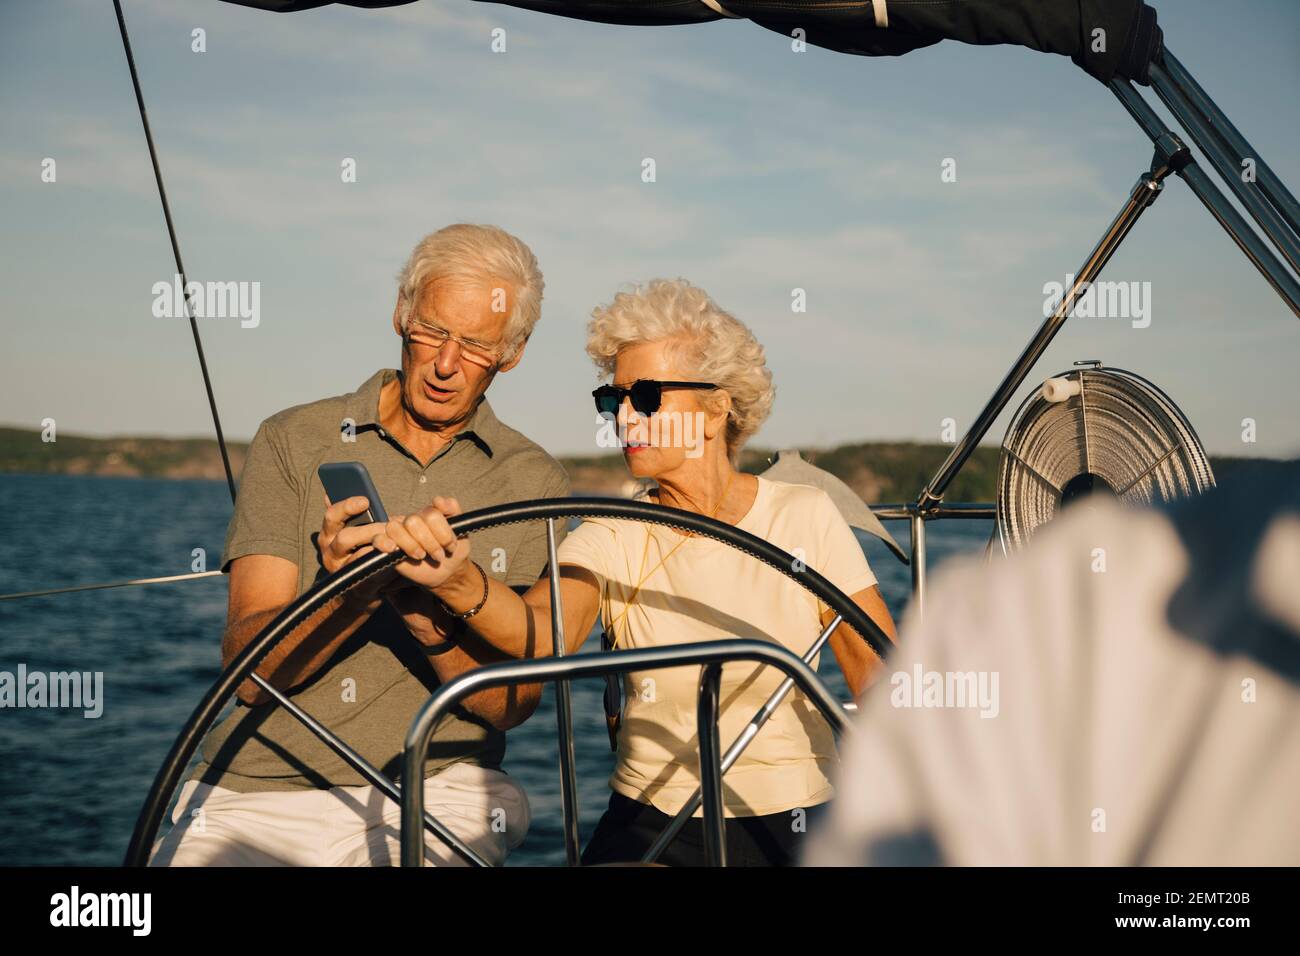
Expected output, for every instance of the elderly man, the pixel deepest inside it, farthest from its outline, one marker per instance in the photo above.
(267, 791)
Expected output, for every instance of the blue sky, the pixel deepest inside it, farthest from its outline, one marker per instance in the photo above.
(776, 171)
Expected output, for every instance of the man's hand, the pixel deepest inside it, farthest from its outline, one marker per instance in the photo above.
(262, 585)
(340, 545)
(433, 552)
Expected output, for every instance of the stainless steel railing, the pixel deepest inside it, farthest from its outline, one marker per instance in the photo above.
(709, 655)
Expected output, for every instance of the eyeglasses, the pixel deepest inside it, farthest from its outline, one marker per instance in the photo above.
(646, 395)
(432, 337)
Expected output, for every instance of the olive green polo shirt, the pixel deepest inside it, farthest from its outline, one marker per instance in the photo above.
(368, 693)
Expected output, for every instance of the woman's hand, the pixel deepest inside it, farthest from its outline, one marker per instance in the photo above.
(434, 554)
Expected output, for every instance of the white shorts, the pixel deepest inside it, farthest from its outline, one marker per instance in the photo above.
(342, 826)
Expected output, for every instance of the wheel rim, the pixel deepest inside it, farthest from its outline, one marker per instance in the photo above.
(347, 578)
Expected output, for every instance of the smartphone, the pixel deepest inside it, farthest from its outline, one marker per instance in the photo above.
(347, 479)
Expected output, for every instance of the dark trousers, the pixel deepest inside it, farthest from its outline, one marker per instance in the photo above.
(628, 828)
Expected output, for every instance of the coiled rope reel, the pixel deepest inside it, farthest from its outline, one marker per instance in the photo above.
(1094, 431)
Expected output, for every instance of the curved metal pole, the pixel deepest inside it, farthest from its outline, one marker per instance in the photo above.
(576, 667)
(367, 769)
(738, 746)
(706, 725)
(563, 709)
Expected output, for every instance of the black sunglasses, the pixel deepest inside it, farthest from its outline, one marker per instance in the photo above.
(646, 395)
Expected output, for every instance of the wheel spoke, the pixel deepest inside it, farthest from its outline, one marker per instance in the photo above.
(366, 769)
(563, 707)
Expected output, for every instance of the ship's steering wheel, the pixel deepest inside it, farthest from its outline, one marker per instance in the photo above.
(346, 578)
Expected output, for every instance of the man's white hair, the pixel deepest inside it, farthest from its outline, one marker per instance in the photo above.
(707, 343)
(479, 254)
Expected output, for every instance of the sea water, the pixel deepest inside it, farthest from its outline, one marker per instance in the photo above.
(71, 788)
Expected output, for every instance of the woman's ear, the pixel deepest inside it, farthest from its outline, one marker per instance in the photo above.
(717, 409)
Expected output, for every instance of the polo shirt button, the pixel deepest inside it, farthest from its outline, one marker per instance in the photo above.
(423, 479)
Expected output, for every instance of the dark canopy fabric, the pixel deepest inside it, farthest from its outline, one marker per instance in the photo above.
(1107, 38)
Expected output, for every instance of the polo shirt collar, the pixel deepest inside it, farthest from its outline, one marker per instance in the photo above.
(363, 409)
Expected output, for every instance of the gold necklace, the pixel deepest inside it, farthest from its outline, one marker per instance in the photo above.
(642, 578)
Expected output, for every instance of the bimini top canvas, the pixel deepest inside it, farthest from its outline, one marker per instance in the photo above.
(1107, 38)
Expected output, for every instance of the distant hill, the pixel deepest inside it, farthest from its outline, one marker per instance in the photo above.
(877, 471)
(21, 449)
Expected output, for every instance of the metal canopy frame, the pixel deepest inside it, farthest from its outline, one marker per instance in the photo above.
(1251, 180)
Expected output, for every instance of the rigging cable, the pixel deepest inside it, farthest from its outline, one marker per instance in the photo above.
(176, 249)
(113, 584)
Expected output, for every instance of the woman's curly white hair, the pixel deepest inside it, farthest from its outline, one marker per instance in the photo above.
(707, 343)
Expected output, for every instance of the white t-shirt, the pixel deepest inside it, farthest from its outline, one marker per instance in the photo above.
(709, 591)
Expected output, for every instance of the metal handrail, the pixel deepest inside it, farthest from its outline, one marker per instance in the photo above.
(538, 670)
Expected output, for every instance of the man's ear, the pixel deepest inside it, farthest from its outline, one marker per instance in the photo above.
(397, 315)
(507, 366)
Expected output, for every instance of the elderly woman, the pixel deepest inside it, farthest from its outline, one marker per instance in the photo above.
(690, 385)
